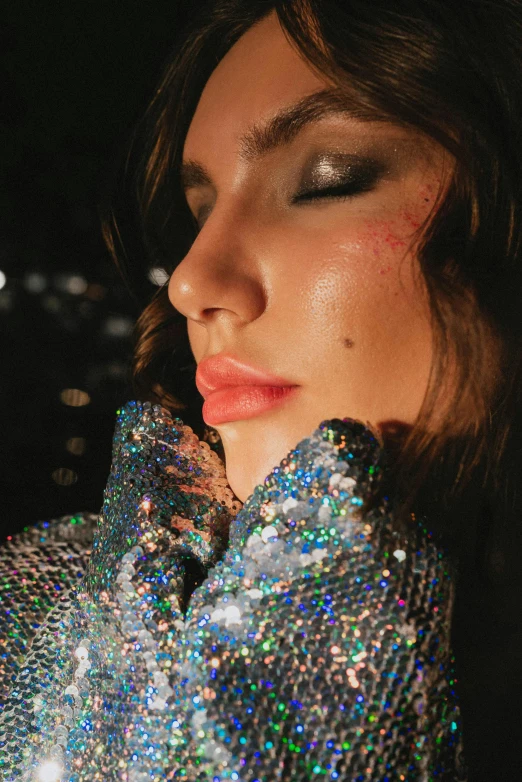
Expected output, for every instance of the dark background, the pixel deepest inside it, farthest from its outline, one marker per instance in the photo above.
(74, 78)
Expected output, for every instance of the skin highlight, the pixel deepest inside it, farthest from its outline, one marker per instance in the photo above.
(323, 291)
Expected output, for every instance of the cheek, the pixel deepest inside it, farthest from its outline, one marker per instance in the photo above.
(360, 319)
(363, 277)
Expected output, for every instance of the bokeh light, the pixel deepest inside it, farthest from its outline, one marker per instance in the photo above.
(64, 477)
(75, 397)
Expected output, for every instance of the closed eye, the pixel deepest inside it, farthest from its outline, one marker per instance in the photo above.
(342, 191)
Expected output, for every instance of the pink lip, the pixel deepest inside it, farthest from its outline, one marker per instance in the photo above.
(234, 391)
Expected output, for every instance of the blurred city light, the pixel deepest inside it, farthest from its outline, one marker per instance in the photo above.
(35, 282)
(74, 397)
(76, 445)
(64, 477)
(118, 326)
(71, 283)
(158, 276)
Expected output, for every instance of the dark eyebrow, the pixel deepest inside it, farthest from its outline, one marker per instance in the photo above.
(281, 129)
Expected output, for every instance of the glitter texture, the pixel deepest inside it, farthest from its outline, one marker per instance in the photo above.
(314, 644)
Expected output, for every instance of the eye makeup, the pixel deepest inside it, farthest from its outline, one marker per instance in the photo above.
(326, 171)
(336, 174)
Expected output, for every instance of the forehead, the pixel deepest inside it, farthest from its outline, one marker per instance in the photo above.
(260, 74)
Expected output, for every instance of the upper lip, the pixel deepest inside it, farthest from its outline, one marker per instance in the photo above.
(223, 371)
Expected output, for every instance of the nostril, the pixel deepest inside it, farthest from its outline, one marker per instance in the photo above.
(212, 282)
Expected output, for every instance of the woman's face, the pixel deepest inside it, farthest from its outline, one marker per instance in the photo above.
(321, 289)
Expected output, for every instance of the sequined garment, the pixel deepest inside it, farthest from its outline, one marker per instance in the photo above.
(315, 645)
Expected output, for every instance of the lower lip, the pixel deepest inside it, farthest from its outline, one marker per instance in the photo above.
(239, 402)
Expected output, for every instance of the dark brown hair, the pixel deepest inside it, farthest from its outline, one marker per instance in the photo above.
(451, 70)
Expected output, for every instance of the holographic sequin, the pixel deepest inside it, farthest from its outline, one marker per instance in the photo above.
(37, 568)
(317, 646)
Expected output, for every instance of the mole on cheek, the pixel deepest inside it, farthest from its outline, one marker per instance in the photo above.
(426, 192)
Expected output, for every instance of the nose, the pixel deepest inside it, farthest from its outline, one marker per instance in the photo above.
(218, 276)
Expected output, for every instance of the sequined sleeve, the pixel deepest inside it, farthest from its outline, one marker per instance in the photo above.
(90, 689)
(320, 647)
(37, 567)
(317, 645)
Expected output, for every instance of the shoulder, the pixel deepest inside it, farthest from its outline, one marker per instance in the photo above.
(37, 567)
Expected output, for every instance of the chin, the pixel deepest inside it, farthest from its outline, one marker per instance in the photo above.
(253, 448)
(241, 483)
(245, 469)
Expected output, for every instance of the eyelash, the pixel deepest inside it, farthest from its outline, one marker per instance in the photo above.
(341, 192)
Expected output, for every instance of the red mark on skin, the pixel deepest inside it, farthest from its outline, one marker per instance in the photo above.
(397, 234)
(393, 241)
(385, 234)
(386, 270)
(411, 219)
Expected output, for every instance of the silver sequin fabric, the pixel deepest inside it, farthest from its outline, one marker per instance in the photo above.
(313, 643)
